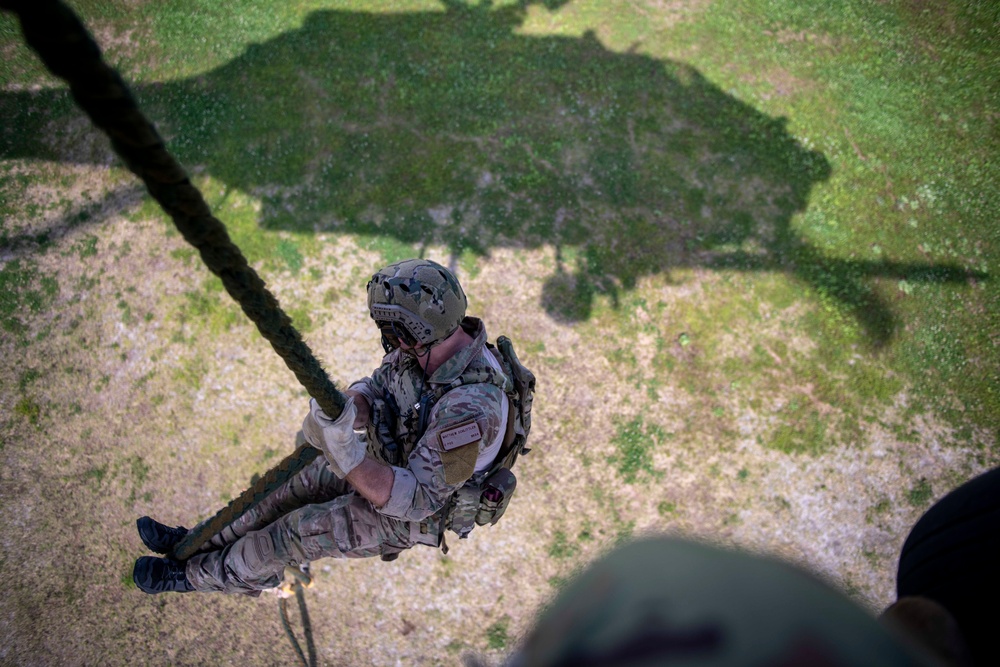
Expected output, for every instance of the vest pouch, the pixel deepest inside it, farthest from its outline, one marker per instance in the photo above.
(381, 431)
(463, 513)
(497, 491)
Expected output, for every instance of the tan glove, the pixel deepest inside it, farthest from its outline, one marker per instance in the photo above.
(335, 437)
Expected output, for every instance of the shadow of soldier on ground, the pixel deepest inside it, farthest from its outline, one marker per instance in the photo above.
(450, 128)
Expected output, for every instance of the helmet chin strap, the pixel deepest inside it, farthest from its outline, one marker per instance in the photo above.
(422, 353)
(423, 408)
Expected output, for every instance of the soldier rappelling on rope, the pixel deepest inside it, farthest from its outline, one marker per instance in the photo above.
(424, 445)
(443, 418)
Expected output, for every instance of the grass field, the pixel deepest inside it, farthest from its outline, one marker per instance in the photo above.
(749, 248)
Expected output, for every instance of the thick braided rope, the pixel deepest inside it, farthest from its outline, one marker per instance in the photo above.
(269, 482)
(287, 625)
(67, 49)
(300, 596)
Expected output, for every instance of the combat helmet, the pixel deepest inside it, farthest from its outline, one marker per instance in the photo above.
(417, 301)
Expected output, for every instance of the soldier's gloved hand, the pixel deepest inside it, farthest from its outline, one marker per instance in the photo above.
(364, 408)
(335, 437)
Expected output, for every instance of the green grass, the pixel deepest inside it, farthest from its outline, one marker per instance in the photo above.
(301, 317)
(635, 441)
(804, 435)
(29, 409)
(86, 247)
(928, 93)
(496, 634)
(877, 231)
(23, 291)
(666, 508)
(561, 548)
(878, 510)
(27, 378)
(190, 373)
(920, 493)
(210, 308)
(780, 216)
(95, 476)
(289, 253)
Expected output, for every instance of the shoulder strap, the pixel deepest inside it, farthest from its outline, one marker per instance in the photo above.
(519, 400)
(432, 395)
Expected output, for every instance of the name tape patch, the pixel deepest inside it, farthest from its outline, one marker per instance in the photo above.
(460, 436)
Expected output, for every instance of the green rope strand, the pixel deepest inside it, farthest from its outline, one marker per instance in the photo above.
(70, 53)
(269, 482)
(300, 597)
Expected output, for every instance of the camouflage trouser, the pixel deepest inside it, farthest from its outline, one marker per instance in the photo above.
(311, 516)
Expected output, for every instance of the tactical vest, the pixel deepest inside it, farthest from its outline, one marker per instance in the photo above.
(484, 497)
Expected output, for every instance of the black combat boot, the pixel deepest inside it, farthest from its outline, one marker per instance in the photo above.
(157, 575)
(157, 537)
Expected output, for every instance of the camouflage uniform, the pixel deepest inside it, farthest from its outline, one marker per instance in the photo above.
(316, 514)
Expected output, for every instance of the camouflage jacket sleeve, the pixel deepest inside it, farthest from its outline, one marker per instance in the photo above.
(464, 422)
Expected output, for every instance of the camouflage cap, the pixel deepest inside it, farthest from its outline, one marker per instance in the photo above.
(419, 295)
(665, 601)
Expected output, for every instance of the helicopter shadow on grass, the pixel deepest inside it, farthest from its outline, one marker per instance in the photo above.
(450, 128)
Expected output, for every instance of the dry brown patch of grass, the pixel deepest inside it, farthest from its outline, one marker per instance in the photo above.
(669, 13)
(777, 82)
(174, 417)
(789, 36)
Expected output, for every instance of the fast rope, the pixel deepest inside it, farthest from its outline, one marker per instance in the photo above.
(53, 31)
(301, 579)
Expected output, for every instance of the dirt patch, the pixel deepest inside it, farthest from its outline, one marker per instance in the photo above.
(943, 16)
(789, 36)
(781, 83)
(114, 41)
(147, 407)
(133, 386)
(669, 13)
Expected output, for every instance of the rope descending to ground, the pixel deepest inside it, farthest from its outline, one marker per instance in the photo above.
(67, 49)
(300, 580)
(262, 488)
